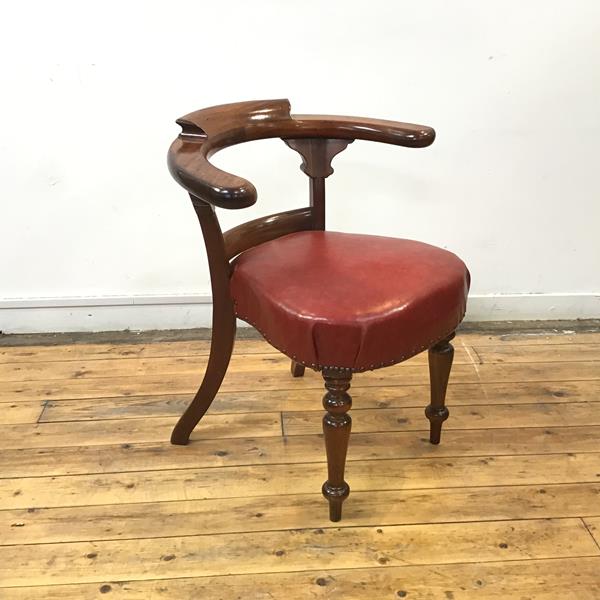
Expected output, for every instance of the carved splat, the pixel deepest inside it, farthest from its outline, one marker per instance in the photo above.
(317, 154)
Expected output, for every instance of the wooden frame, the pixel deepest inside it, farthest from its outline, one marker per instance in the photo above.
(317, 138)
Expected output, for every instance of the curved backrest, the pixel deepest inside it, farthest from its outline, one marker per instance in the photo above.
(209, 130)
(317, 138)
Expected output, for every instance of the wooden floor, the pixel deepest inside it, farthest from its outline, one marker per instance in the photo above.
(95, 503)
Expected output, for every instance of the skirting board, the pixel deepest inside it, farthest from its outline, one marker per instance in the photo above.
(140, 313)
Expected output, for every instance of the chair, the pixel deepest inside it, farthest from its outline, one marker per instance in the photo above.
(335, 302)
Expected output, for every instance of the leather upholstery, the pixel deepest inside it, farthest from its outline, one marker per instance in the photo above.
(359, 302)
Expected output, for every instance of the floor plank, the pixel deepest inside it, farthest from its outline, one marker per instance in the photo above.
(521, 579)
(593, 524)
(267, 380)
(537, 353)
(293, 511)
(34, 462)
(93, 351)
(494, 416)
(74, 352)
(95, 502)
(298, 400)
(169, 365)
(279, 379)
(95, 433)
(239, 425)
(100, 351)
(294, 550)
(554, 371)
(304, 478)
(529, 338)
(28, 411)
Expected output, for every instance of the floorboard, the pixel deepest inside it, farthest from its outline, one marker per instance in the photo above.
(548, 579)
(95, 502)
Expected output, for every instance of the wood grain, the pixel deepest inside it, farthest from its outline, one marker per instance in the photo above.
(28, 411)
(539, 579)
(529, 338)
(537, 353)
(125, 457)
(294, 550)
(272, 379)
(593, 524)
(92, 351)
(278, 379)
(495, 416)
(294, 511)
(95, 503)
(472, 394)
(96, 433)
(167, 485)
(74, 352)
(176, 365)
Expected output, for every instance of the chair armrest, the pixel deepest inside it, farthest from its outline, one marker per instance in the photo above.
(207, 131)
(356, 128)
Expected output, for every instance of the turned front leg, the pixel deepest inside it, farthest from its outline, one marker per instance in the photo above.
(440, 363)
(336, 428)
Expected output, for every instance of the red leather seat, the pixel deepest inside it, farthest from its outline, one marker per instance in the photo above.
(350, 301)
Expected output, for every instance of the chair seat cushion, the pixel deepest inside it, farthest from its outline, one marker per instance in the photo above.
(359, 302)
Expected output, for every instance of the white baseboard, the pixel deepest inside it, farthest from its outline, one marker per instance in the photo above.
(533, 307)
(106, 313)
(138, 313)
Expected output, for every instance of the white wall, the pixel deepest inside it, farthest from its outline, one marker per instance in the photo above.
(91, 91)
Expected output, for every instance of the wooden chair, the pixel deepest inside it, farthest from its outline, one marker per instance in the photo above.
(337, 303)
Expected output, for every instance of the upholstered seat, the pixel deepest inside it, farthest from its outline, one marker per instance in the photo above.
(358, 302)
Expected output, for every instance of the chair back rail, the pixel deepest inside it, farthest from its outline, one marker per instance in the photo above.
(317, 138)
(264, 229)
(207, 131)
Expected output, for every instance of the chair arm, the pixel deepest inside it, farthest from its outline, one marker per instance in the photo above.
(356, 128)
(207, 131)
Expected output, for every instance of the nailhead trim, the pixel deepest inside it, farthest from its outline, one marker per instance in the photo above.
(413, 352)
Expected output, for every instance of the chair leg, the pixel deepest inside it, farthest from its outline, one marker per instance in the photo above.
(297, 369)
(223, 337)
(440, 363)
(336, 428)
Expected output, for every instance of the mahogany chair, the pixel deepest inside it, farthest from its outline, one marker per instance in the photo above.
(335, 302)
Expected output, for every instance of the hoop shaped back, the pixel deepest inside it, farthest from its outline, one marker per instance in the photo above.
(209, 130)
